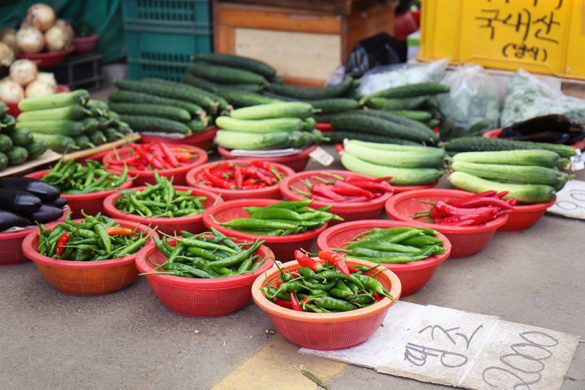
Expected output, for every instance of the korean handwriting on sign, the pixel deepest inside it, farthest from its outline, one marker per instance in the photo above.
(449, 339)
(537, 24)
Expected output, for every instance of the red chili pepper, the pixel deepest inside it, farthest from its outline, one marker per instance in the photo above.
(169, 155)
(477, 202)
(238, 177)
(216, 180)
(349, 189)
(326, 192)
(377, 297)
(305, 261)
(118, 231)
(262, 164)
(60, 247)
(451, 210)
(335, 258)
(282, 302)
(500, 195)
(371, 185)
(295, 304)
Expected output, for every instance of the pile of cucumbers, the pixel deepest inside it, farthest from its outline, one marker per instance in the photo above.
(70, 121)
(17, 145)
(268, 126)
(407, 165)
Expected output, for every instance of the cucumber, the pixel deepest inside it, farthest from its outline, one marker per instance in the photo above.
(3, 161)
(57, 142)
(72, 112)
(140, 97)
(523, 174)
(111, 134)
(400, 176)
(5, 143)
(415, 125)
(416, 115)
(185, 92)
(543, 158)
(90, 125)
(240, 98)
(333, 105)
(211, 86)
(3, 109)
(97, 138)
(197, 125)
(252, 141)
(143, 123)
(281, 97)
(309, 124)
(226, 74)
(259, 125)
(339, 135)
(7, 123)
(21, 136)
(83, 142)
(469, 144)
(17, 155)
(236, 61)
(361, 121)
(222, 104)
(409, 90)
(398, 147)
(36, 148)
(430, 158)
(148, 109)
(312, 93)
(79, 96)
(60, 127)
(525, 193)
(274, 110)
(381, 103)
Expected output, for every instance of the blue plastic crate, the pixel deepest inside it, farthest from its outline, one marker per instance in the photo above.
(162, 35)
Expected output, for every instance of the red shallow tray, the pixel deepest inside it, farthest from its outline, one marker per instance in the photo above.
(48, 59)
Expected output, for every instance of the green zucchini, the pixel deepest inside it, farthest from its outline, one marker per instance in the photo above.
(240, 98)
(477, 144)
(381, 103)
(61, 127)
(523, 174)
(72, 112)
(400, 176)
(226, 74)
(235, 61)
(143, 123)
(274, 110)
(540, 157)
(17, 155)
(5, 143)
(525, 193)
(123, 96)
(148, 109)
(339, 136)
(259, 125)
(3, 161)
(57, 142)
(21, 136)
(252, 141)
(36, 148)
(409, 90)
(79, 96)
(312, 93)
(430, 158)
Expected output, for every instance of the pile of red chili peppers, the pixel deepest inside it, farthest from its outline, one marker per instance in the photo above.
(156, 155)
(472, 210)
(246, 175)
(341, 189)
(329, 285)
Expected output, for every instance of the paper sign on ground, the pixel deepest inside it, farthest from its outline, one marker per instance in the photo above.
(462, 349)
(570, 200)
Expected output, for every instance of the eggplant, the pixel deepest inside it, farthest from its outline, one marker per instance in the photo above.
(59, 202)
(46, 213)
(550, 137)
(19, 201)
(553, 122)
(42, 189)
(10, 219)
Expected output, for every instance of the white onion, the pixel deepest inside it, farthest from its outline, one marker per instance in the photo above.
(48, 78)
(6, 55)
(68, 29)
(39, 88)
(41, 16)
(56, 38)
(10, 90)
(8, 36)
(30, 40)
(23, 71)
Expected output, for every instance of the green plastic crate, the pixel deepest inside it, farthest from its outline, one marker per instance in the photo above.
(162, 35)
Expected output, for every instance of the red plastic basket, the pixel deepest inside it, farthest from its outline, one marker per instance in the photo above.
(201, 297)
(327, 331)
(142, 177)
(282, 246)
(203, 140)
(412, 276)
(91, 203)
(85, 44)
(48, 59)
(270, 192)
(296, 162)
(86, 278)
(11, 244)
(465, 240)
(524, 216)
(191, 223)
(347, 211)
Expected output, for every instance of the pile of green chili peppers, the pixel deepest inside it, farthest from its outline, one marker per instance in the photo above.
(282, 218)
(394, 245)
(95, 238)
(206, 255)
(160, 200)
(327, 291)
(74, 178)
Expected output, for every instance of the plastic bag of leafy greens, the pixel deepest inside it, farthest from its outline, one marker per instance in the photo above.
(472, 106)
(382, 77)
(528, 97)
